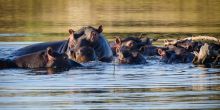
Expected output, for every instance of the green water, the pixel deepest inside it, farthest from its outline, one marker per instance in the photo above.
(45, 20)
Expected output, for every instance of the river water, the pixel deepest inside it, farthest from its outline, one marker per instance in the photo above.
(25, 17)
(107, 85)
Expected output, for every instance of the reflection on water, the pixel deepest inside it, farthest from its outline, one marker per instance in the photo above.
(109, 86)
(57, 16)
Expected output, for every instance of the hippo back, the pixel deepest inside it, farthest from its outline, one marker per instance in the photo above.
(58, 46)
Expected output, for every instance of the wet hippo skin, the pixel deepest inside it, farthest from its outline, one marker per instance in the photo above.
(41, 59)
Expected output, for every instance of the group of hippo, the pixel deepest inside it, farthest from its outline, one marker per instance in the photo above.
(89, 44)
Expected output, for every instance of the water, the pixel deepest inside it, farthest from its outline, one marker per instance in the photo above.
(110, 86)
(32, 20)
(107, 85)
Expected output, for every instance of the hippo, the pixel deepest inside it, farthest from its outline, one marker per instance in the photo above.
(92, 35)
(189, 45)
(131, 43)
(83, 54)
(175, 54)
(95, 39)
(126, 56)
(42, 59)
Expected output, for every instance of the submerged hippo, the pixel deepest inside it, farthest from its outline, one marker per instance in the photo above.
(126, 56)
(41, 59)
(131, 43)
(83, 54)
(175, 54)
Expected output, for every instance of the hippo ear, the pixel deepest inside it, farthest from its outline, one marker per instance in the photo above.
(71, 38)
(160, 51)
(100, 29)
(118, 40)
(71, 31)
(50, 54)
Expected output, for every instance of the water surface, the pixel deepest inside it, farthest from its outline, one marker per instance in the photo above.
(109, 86)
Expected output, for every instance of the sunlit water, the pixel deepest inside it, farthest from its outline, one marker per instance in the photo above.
(109, 86)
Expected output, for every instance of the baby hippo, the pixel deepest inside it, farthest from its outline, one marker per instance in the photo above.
(130, 57)
(41, 59)
(83, 54)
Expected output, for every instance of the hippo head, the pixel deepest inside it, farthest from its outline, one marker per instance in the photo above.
(130, 43)
(92, 34)
(167, 56)
(83, 54)
(149, 50)
(126, 56)
(56, 60)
